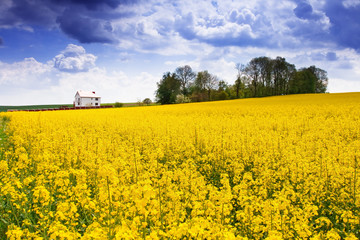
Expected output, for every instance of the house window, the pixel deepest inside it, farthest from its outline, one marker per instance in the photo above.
(96, 104)
(96, 99)
(91, 98)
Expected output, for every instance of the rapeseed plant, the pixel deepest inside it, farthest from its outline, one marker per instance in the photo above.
(273, 168)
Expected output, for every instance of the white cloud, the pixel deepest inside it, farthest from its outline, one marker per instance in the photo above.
(351, 3)
(74, 59)
(32, 82)
(25, 73)
(112, 86)
(195, 33)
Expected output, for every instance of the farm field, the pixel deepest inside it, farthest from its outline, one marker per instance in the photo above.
(56, 106)
(30, 107)
(282, 167)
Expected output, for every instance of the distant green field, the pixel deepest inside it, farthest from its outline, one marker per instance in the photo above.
(28, 107)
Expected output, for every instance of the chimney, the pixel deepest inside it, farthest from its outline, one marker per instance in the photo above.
(93, 92)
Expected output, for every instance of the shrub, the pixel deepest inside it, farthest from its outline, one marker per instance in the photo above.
(118, 104)
(182, 99)
(147, 101)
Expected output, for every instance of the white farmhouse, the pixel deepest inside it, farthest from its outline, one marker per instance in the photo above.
(86, 99)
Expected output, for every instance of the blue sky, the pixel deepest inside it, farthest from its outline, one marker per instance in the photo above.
(49, 49)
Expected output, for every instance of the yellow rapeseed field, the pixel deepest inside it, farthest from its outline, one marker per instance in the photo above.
(282, 167)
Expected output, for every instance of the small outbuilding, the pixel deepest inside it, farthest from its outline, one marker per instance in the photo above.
(87, 99)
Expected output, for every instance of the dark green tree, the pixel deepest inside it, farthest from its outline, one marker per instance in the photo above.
(321, 79)
(222, 92)
(265, 65)
(304, 81)
(147, 101)
(253, 72)
(168, 88)
(283, 72)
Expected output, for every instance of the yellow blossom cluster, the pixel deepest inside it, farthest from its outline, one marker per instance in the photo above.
(282, 167)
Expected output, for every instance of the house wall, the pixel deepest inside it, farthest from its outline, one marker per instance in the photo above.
(86, 101)
(77, 101)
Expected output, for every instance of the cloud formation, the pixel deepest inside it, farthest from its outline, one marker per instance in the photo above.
(32, 82)
(85, 29)
(28, 73)
(304, 10)
(211, 35)
(345, 22)
(85, 21)
(74, 59)
(148, 25)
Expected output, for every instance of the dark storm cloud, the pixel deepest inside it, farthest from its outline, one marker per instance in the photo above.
(85, 29)
(258, 24)
(94, 5)
(345, 23)
(85, 20)
(28, 13)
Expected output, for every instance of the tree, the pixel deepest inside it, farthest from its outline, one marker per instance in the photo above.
(186, 76)
(211, 84)
(321, 79)
(223, 91)
(253, 71)
(222, 85)
(304, 81)
(147, 101)
(199, 88)
(283, 72)
(265, 79)
(205, 83)
(239, 83)
(168, 88)
(201, 80)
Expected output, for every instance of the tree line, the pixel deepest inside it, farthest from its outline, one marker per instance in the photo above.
(261, 77)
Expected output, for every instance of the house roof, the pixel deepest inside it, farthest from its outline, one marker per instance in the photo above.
(87, 94)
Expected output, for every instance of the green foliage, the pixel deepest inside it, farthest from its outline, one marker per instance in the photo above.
(268, 77)
(221, 95)
(182, 99)
(147, 101)
(186, 76)
(168, 88)
(118, 104)
(304, 81)
(261, 77)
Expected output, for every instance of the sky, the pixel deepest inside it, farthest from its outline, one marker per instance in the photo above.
(49, 49)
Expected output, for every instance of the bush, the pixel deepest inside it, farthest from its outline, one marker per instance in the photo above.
(118, 105)
(182, 99)
(147, 101)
